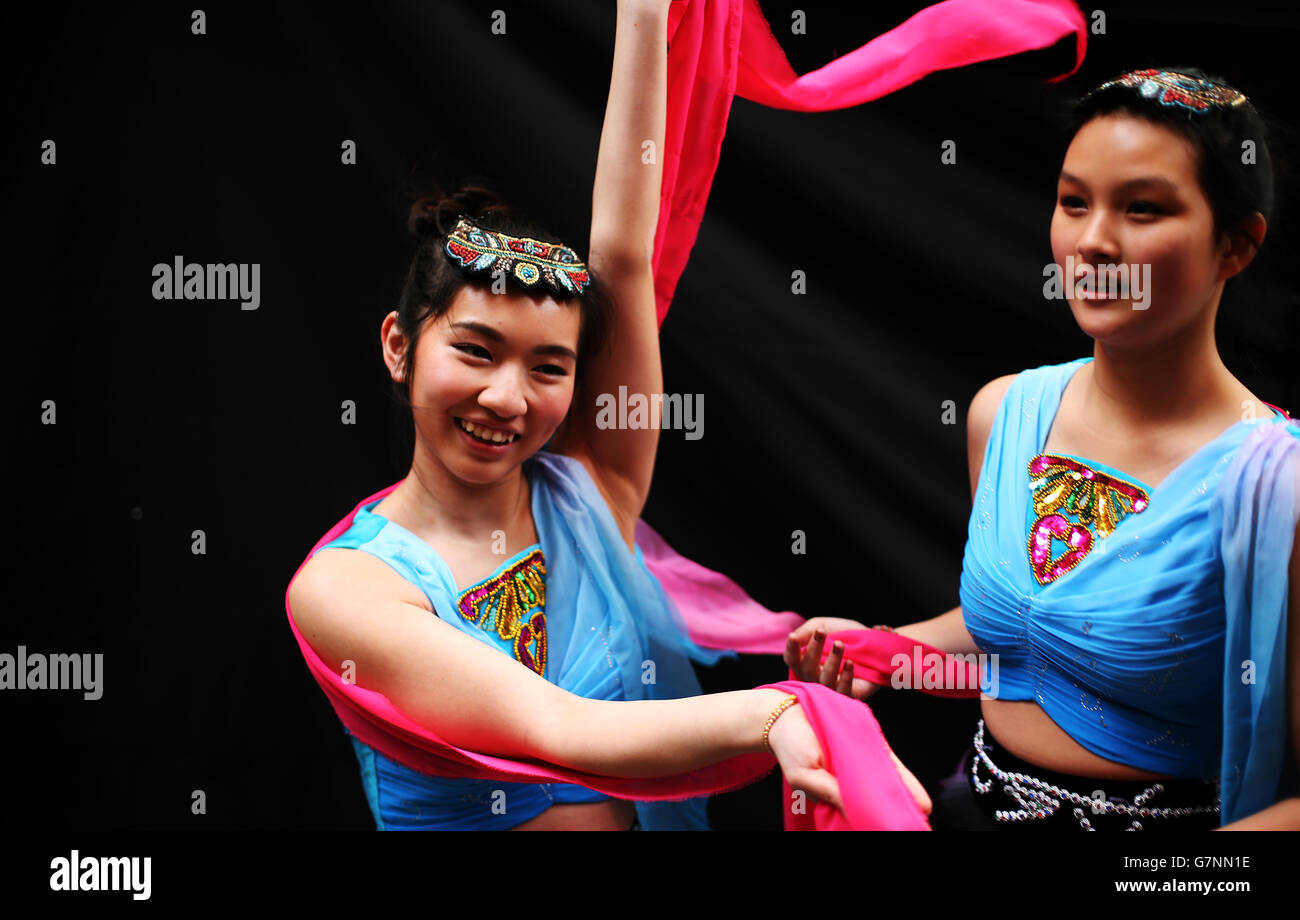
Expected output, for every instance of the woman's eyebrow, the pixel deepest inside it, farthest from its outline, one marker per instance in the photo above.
(1158, 181)
(561, 350)
(482, 329)
(488, 332)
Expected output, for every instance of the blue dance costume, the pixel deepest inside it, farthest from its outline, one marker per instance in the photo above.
(576, 607)
(1148, 623)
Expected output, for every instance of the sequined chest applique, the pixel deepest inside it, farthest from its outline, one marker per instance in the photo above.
(511, 606)
(1063, 488)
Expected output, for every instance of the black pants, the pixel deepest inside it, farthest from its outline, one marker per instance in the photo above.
(959, 807)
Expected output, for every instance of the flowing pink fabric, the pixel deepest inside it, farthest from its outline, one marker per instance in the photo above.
(874, 795)
(854, 750)
(718, 613)
(719, 49)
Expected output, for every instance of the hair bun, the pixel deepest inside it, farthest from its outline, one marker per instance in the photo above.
(435, 215)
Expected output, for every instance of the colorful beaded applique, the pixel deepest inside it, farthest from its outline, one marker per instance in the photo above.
(504, 604)
(1061, 486)
(1170, 88)
(528, 261)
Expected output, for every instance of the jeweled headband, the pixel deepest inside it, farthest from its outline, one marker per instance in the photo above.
(529, 262)
(1171, 88)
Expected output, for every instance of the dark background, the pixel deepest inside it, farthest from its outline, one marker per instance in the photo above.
(823, 412)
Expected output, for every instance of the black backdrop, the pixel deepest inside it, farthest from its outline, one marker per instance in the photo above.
(823, 412)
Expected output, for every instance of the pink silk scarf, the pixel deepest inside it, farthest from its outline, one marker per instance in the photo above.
(719, 49)
(717, 611)
(720, 615)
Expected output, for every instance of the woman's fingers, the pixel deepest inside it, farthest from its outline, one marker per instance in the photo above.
(807, 664)
(845, 682)
(820, 785)
(800, 662)
(812, 657)
(831, 668)
(863, 688)
(805, 630)
(791, 655)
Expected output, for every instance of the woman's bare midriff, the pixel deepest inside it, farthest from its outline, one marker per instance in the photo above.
(609, 815)
(1024, 729)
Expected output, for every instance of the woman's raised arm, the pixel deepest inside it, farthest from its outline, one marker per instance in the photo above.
(625, 211)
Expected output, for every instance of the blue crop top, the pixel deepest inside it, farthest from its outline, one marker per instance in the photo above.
(509, 607)
(1102, 598)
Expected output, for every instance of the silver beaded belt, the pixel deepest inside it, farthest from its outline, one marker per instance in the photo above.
(1039, 799)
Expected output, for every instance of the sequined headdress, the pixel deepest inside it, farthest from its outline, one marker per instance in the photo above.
(527, 261)
(1170, 88)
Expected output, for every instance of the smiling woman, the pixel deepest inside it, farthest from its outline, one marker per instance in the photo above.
(1132, 553)
(555, 321)
(515, 529)
(489, 377)
(1155, 186)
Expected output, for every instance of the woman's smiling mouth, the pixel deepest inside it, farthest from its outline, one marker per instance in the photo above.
(483, 434)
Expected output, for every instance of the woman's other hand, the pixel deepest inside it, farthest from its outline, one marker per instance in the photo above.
(795, 744)
(796, 748)
(834, 673)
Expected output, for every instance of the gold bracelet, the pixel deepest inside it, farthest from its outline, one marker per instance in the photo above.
(885, 628)
(776, 714)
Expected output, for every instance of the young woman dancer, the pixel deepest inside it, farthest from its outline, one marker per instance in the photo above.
(499, 599)
(1132, 550)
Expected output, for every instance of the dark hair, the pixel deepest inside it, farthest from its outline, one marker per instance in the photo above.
(432, 281)
(1234, 189)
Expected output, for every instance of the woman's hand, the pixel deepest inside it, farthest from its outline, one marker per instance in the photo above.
(795, 744)
(796, 748)
(808, 665)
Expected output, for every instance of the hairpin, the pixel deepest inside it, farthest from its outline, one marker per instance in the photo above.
(1170, 88)
(529, 262)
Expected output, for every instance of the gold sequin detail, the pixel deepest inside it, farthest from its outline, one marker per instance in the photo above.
(504, 604)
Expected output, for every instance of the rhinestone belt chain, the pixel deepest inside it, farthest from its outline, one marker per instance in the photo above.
(1038, 799)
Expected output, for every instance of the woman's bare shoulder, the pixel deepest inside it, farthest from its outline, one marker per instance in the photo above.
(984, 405)
(339, 572)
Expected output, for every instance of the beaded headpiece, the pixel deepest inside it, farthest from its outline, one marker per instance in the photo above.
(1171, 88)
(529, 262)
